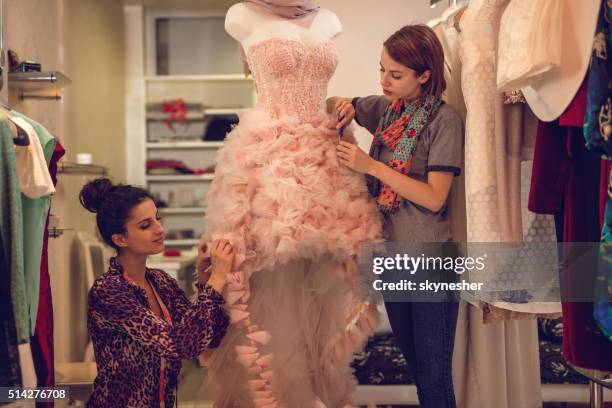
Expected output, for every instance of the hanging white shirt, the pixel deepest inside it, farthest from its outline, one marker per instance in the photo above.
(34, 178)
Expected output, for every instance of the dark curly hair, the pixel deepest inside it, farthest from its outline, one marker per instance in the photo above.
(112, 204)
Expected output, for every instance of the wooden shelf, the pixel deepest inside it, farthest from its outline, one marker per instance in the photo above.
(183, 145)
(180, 177)
(182, 210)
(197, 78)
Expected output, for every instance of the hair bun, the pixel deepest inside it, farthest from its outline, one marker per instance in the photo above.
(93, 193)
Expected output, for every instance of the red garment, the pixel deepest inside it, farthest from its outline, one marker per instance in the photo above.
(575, 112)
(550, 170)
(565, 181)
(42, 341)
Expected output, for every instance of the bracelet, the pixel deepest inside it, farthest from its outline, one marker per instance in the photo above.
(207, 270)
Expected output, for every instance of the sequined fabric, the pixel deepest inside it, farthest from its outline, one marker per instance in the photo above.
(294, 79)
(297, 220)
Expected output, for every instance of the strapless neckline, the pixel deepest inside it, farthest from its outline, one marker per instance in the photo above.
(289, 40)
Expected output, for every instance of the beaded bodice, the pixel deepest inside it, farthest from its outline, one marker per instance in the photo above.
(291, 77)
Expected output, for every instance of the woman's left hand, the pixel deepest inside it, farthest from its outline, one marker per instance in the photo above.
(203, 263)
(353, 157)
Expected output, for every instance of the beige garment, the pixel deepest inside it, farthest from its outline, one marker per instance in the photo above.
(529, 42)
(495, 206)
(446, 32)
(34, 178)
(28, 375)
(495, 365)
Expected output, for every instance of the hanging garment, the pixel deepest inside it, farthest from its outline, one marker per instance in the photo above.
(42, 341)
(598, 136)
(516, 340)
(566, 183)
(296, 219)
(495, 208)
(34, 219)
(535, 48)
(551, 93)
(12, 230)
(34, 178)
(602, 310)
(598, 120)
(10, 240)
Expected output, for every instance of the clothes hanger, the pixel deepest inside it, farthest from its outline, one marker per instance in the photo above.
(22, 138)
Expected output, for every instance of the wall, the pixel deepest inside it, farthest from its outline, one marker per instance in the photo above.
(94, 123)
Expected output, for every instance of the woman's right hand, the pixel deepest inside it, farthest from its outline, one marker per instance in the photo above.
(222, 258)
(344, 111)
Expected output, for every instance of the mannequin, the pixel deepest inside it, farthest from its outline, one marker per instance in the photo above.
(250, 24)
(298, 306)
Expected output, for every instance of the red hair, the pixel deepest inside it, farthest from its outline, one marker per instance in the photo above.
(417, 47)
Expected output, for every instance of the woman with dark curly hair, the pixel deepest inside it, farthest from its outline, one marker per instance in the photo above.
(140, 321)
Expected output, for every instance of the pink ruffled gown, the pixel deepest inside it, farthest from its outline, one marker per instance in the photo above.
(297, 220)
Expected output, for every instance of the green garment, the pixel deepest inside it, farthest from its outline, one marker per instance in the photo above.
(11, 231)
(35, 213)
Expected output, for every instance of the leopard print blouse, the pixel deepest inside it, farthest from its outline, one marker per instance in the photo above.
(130, 340)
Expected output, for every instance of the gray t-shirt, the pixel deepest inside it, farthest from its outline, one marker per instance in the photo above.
(439, 148)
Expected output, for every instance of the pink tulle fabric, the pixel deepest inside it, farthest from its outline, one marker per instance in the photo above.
(297, 220)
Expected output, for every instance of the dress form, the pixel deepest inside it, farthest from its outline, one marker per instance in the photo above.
(295, 297)
(249, 25)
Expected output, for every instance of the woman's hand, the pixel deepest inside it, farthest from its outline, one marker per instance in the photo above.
(342, 109)
(203, 263)
(222, 258)
(354, 158)
(345, 113)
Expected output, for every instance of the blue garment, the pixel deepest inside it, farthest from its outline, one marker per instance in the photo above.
(598, 119)
(598, 135)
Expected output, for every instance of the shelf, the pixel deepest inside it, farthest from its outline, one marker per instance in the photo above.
(75, 168)
(196, 116)
(181, 242)
(225, 111)
(180, 177)
(183, 145)
(162, 116)
(182, 210)
(197, 78)
(38, 85)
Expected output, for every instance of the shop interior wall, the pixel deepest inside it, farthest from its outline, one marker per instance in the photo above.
(94, 123)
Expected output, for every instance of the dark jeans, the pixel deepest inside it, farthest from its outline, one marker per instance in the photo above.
(426, 335)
